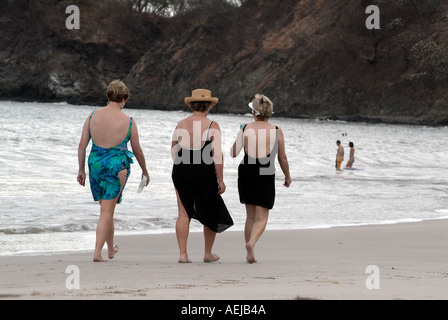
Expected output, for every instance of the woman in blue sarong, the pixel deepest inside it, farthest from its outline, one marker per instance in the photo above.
(109, 161)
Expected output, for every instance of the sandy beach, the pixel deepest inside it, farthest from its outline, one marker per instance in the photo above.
(407, 261)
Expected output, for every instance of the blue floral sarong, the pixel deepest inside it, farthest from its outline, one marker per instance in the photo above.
(104, 167)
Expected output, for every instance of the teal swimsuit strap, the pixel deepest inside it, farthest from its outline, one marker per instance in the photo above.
(90, 120)
(129, 131)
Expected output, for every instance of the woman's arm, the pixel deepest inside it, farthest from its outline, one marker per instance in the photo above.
(218, 157)
(283, 159)
(238, 145)
(83, 143)
(138, 152)
(175, 147)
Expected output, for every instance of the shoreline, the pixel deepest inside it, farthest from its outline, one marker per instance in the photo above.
(332, 263)
(149, 233)
(377, 119)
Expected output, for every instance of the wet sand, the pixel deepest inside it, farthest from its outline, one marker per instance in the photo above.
(400, 261)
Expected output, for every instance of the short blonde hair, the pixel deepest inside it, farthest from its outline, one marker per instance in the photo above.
(117, 91)
(263, 105)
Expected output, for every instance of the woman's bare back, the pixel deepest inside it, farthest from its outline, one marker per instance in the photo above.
(259, 139)
(192, 132)
(109, 127)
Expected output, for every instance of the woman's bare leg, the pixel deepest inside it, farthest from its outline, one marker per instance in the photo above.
(261, 220)
(182, 231)
(250, 220)
(209, 237)
(105, 229)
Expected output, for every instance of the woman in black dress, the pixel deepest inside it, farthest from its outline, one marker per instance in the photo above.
(261, 142)
(198, 175)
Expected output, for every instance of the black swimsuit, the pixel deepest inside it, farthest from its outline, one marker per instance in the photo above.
(194, 177)
(256, 179)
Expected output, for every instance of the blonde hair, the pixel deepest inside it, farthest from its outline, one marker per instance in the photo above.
(263, 105)
(117, 91)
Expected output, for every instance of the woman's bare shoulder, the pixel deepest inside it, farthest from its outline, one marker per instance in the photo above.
(184, 122)
(215, 125)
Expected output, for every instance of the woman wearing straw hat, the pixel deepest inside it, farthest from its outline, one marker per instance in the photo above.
(261, 142)
(198, 175)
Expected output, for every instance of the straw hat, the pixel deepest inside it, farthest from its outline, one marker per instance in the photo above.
(201, 95)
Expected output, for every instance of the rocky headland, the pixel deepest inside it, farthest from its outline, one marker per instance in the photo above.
(313, 58)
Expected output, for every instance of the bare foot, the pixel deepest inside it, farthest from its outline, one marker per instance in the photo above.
(99, 259)
(184, 259)
(211, 258)
(250, 253)
(113, 252)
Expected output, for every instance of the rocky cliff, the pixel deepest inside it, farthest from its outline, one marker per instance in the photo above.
(313, 58)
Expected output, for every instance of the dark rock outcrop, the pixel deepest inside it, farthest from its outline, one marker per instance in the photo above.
(313, 58)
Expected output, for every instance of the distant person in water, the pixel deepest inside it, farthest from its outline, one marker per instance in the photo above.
(352, 155)
(110, 130)
(339, 155)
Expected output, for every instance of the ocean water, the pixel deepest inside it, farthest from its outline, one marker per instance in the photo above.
(43, 209)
